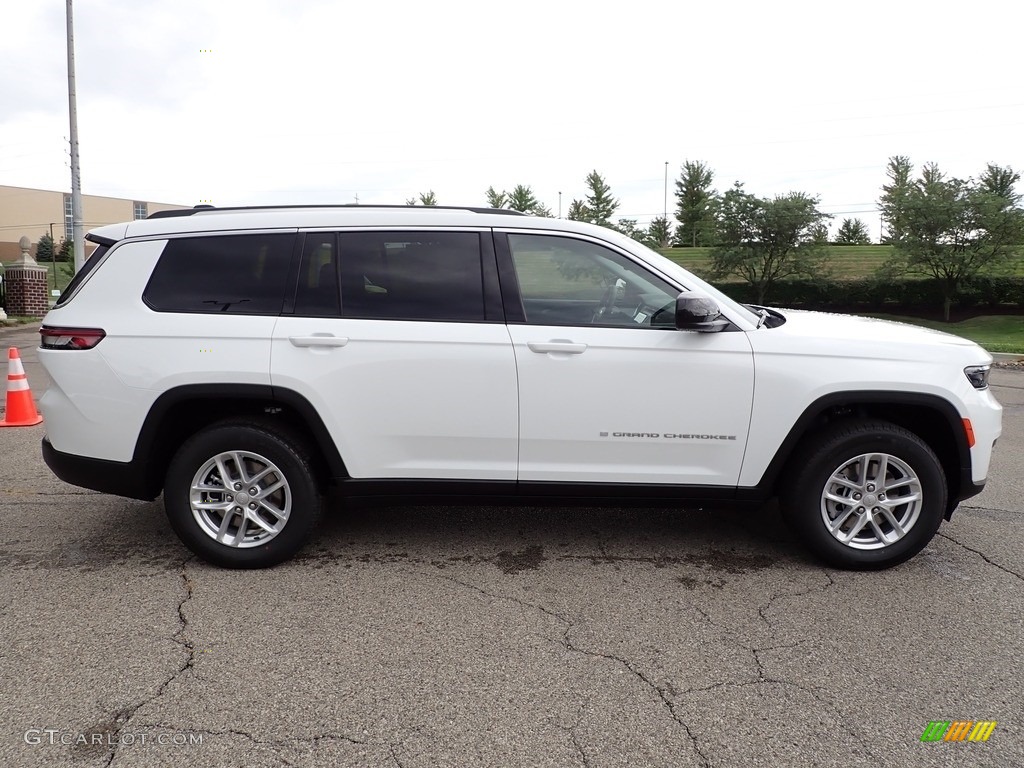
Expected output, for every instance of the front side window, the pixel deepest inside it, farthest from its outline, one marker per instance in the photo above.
(234, 274)
(565, 281)
(411, 276)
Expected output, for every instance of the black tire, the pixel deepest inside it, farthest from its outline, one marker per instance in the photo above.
(287, 499)
(895, 525)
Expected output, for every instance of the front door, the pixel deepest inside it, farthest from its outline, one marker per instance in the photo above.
(609, 390)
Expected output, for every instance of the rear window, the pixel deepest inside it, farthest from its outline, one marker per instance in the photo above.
(91, 262)
(234, 274)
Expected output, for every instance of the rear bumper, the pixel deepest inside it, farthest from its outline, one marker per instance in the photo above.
(114, 477)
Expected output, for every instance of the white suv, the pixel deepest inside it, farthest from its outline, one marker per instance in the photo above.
(244, 361)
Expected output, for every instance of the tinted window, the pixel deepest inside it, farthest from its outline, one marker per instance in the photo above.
(317, 289)
(92, 261)
(411, 276)
(564, 281)
(237, 274)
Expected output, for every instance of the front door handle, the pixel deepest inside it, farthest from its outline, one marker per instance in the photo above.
(558, 345)
(319, 340)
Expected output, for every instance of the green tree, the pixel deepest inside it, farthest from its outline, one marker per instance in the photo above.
(1001, 182)
(819, 233)
(652, 235)
(629, 228)
(853, 232)
(522, 199)
(763, 240)
(659, 233)
(600, 203)
(895, 198)
(44, 248)
(495, 199)
(695, 205)
(956, 229)
(578, 211)
(425, 198)
(66, 250)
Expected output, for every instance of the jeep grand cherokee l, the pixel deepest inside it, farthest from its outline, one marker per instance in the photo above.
(244, 361)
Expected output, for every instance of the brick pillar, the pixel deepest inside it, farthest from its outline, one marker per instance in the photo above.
(26, 287)
(3, 314)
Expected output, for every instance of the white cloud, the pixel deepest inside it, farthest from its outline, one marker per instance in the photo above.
(303, 101)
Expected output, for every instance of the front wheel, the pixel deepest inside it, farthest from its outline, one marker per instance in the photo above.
(865, 495)
(241, 495)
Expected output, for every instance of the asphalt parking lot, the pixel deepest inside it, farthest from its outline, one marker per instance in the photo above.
(435, 636)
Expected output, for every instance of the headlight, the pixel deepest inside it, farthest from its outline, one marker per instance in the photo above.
(978, 375)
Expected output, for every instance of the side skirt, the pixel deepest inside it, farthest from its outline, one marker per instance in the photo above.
(406, 491)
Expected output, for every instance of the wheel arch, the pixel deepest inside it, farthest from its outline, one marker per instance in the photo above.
(180, 412)
(932, 418)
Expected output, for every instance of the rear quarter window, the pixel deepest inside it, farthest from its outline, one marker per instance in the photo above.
(234, 274)
(80, 277)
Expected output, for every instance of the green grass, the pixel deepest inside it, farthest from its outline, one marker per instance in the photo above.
(844, 261)
(64, 270)
(996, 333)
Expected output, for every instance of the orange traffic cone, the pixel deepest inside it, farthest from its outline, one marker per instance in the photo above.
(21, 409)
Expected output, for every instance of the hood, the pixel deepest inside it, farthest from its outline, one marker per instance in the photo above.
(832, 335)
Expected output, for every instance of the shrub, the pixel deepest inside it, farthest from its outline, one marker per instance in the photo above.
(876, 294)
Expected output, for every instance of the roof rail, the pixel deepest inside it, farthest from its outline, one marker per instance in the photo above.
(212, 209)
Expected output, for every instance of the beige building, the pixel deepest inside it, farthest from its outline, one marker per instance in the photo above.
(34, 212)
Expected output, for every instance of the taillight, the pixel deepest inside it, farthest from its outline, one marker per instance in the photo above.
(70, 338)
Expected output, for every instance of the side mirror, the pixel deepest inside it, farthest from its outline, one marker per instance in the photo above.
(698, 313)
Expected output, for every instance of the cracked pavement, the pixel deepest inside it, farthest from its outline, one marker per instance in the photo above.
(450, 636)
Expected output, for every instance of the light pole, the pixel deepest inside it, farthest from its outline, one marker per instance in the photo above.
(559, 205)
(666, 191)
(664, 236)
(53, 256)
(77, 227)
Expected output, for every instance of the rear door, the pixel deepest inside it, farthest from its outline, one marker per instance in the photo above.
(397, 338)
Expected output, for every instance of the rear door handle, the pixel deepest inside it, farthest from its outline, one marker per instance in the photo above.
(319, 340)
(565, 347)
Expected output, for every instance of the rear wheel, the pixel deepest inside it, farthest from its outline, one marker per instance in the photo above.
(242, 495)
(865, 495)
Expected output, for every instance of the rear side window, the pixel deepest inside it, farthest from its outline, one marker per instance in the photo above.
(317, 292)
(411, 276)
(235, 274)
(91, 262)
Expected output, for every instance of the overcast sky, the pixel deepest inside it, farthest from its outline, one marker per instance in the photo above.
(318, 101)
